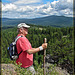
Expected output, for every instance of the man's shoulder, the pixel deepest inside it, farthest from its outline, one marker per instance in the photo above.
(23, 39)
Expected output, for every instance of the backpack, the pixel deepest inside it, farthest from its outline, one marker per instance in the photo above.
(12, 50)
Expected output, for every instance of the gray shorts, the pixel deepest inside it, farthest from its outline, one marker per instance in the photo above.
(31, 69)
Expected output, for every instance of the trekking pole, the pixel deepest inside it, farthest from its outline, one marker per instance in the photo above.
(45, 40)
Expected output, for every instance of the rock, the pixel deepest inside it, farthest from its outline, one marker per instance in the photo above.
(8, 69)
(50, 67)
(51, 59)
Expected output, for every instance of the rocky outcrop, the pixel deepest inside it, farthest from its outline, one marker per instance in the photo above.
(8, 69)
(67, 65)
(51, 59)
(51, 68)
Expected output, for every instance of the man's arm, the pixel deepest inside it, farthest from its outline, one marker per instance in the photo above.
(35, 50)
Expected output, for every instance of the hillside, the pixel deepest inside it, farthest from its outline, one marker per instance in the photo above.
(60, 50)
(12, 69)
(55, 21)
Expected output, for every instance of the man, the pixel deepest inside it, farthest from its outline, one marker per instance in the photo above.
(26, 57)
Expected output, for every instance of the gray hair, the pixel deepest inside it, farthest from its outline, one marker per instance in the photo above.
(18, 29)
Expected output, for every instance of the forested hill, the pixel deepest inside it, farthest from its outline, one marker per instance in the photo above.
(55, 21)
(60, 50)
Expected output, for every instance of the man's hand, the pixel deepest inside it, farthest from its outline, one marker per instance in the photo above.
(44, 45)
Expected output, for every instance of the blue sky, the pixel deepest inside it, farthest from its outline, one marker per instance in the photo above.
(36, 8)
(6, 1)
(44, 1)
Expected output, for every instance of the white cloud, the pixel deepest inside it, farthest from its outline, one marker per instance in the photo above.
(25, 9)
(43, 9)
(62, 4)
(63, 7)
(67, 12)
(9, 7)
(26, 1)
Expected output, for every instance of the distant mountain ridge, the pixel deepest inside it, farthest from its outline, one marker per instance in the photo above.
(55, 21)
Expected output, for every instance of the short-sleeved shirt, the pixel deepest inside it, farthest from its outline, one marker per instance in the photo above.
(25, 59)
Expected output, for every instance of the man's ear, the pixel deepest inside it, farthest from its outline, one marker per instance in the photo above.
(21, 30)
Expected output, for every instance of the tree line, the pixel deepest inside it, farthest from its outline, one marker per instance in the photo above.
(60, 44)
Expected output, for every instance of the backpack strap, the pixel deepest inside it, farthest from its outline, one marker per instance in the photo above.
(16, 41)
(19, 53)
(17, 38)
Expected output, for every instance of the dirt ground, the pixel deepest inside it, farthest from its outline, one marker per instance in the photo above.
(9, 69)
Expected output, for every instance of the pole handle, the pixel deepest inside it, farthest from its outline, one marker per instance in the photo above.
(45, 40)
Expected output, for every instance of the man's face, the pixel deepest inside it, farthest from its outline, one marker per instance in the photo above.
(25, 31)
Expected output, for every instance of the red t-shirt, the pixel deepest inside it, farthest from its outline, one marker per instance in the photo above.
(25, 59)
